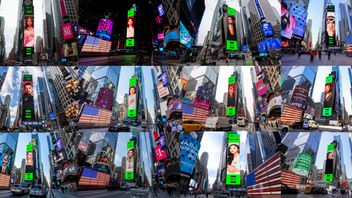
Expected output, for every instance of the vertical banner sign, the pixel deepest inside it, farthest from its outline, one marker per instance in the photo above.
(130, 28)
(231, 39)
(28, 176)
(233, 167)
(129, 173)
(330, 26)
(27, 99)
(28, 35)
(132, 98)
(329, 164)
(231, 97)
(329, 96)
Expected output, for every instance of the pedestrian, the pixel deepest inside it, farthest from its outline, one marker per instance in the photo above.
(311, 56)
(207, 195)
(227, 60)
(319, 54)
(329, 54)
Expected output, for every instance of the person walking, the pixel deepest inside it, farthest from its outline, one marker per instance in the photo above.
(319, 54)
(311, 56)
(329, 54)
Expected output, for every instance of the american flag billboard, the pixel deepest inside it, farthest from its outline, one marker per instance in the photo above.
(97, 45)
(193, 113)
(291, 179)
(93, 179)
(94, 117)
(266, 179)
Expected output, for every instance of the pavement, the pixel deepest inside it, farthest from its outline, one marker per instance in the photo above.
(112, 60)
(339, 59)
(301, 194)
(133, 193)
(320, 129)
(164, 61)
(57, 194)
(250, 127)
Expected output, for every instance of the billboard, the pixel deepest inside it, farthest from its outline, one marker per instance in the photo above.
(104, 29)
(97, 45)
(70, 49)
(349, 43)
(203, 97)
(132, 98)
(329, 164)
(130, 158)
(157, 71)
(6, 159)
(185, 37)
(163, 91)
(161, 36)
(330, 30)
(28, 38)
(273, 44)
(303, 164)
(92, 116)
(67, 31)
(189, 148)
(92, 179)
(29, 163)
(259, 9)
(267, 29)
(299, 97)
(161, 10)
(233, 164)
(162, 141)
(231, 97)
(27, 99)
(163, 108)
(130, 28)
(287, 23)
(300, 14)
(58, 144)
(171, 36)
(159, 153)
(231, 37)
(164, 78)
(329, 96)
(262, 88)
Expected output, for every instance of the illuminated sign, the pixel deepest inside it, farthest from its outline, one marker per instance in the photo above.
(132, 98)
(162, 90)
(91, 179)
(330, 26)
(161, 10)
(70, 49)
(185, 37)
(159, 153)
(28, 38)
(6, 159)
(267, 29)
(231, 97)
(288, 22)
(27, 98)
(231, 37)
(303, 164)
(233, 165)
(93, 44)
(29, 163)
(161, 36)
(329, 96)
(67, 31)
(329, 164)
(259, 9)
(189, 148)
(104, 29)
(130, 42)
(129, 171)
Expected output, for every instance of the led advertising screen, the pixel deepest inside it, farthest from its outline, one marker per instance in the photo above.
(203, 96)
(157, 71)
(259, 9)
(104, 29)
(231, 37)
(231, 97)
(273, 44)
(300, 14)
(161, 10)
(27, 98)
(171, 36)
(233, 164)
(185, 37)
(130, 158)
(329, 96)
(132, 98)
(67, 31)
(329, 164)
(92, 116)
(130, 27)
(349, 44)
(58, 145)
(330, 26)
(159, 153)
(70, 49)
(97, 45)
(262, 88)
(92, 179)
(303, 164)
(162, 141)
(300, 96)
(287, 23)
(28, 38)
(6, 159)
(189, 148)
(164, 78)
(262, 47)
(162, 90)
(267, 29)
(161, 36)
(29, 163)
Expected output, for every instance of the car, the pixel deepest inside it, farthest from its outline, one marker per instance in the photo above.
(217, 123)
(192, 126)
(221, 194)
(310, 124)
(119, 127)
(287, 190)
(318, 190)
(124, 186)
(334, 123)
(37, 191)
(20, 189)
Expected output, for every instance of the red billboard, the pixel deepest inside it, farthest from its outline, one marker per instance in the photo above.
(159, 153)
(262, 88)
(67, 31)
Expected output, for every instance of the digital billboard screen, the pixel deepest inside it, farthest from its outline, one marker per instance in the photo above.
(130, 158)
(302, 164)
(92, 179)
(185, 37)
(189, 148)
(231, 97)
(233, 164)
(300, 96)
(132, 98)
(27, 98)
(300, 14)
(329, 96)
(96, 45)
(262, 47)
(164, 78)
(273, 44)
(203, 97)
(92, 116)
(329, 164)
(262, 88)
(104, 29)
(70, 49)
(287, 23)
(160, 154)
(330, 26)
(171, 36)
(267, 29)
(28, 38)
(67, 31)
(161, 10)
(231, 37)
(130, 27)
(29, 163)
(162, 90)
(6, 159)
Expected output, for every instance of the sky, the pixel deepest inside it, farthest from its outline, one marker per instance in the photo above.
(210, 143)
(324, 71)
(222, 85)
(11, 86)
(123, 86)
(23, 140)
(9, 10)
(209, 12)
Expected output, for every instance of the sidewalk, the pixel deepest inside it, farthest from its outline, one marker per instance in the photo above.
(59, 194)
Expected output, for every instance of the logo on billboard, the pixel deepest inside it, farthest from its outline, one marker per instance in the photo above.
(129, 173)
(132, 98)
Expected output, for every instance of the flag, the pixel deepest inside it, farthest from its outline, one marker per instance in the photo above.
(94, 178)
(93, 44)
(266, 179)
(194, 113)
(290, 179)
(94, 117)
(291, 115)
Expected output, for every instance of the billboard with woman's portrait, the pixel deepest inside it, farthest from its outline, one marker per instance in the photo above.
(28, 38)
(233, 165)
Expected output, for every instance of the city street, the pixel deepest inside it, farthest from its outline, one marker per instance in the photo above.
(339, 59)
(310, 196)
(7, 193)
(105, 60)
(250, 127)
(115, 193)
(166, 61)
(132, 129)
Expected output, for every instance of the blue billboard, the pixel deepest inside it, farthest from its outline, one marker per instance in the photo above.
(259, 9)
(185, 37)
(267, 29)
(273, 44)
(170, 36)
(189, 148)
(300, 15)
(262, 46)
